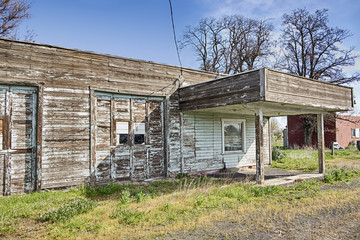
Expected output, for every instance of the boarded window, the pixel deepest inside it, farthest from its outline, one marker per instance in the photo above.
(139, 132)
(122, 132)
(233, 135)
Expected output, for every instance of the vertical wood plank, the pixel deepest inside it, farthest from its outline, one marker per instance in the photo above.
(270, 140)
(7, 145)
(112, 138)
(131, 139)
(39, 123)
(181, 142)
(112, 122)
(321, 144)
(147, 135)
(7, 175)
(92, 136)
(259, 148)
(167, 135)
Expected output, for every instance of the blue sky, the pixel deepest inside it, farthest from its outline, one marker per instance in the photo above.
(141, 29)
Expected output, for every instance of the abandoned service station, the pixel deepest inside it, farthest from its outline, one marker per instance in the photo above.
(69, 117)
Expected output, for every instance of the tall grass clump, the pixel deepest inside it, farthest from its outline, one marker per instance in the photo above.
(337, 175)
(277, 154)
(64, 212)
(104, 190)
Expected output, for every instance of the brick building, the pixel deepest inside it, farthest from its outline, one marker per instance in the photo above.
(344, 129)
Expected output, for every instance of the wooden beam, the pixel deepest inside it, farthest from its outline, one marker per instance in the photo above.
(7, 143)
(39, 123)
(167, 136)
(92, 136)
(270, 140)
(260, 178)
(321, 144)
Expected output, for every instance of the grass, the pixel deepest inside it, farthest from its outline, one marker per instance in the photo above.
(303, 160)
(140, 211)
(307, 160)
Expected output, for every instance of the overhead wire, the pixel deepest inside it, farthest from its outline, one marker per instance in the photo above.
(174, 34)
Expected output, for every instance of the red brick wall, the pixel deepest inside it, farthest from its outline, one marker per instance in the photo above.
(296, 131)
(344, 126)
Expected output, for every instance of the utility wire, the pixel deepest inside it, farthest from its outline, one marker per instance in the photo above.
(173, 27)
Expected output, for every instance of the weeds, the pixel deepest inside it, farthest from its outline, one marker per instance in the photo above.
(125, 197)
(304, 160)
(128, 216)
(336, 175)
(64, 212)
(171, 205)
(277, 154)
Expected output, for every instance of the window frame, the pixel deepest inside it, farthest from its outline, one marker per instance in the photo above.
(234, 121)
(353, 132)
(356, 131)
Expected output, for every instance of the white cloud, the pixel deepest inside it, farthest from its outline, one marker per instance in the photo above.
(260, 9)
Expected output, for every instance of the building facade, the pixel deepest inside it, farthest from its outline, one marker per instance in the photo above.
(70, 116)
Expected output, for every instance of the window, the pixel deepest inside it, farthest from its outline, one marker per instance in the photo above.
(122, 133)
(355, 132)
(233, 132)
(139, 132)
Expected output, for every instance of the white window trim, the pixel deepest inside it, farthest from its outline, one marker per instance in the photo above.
(232, 120)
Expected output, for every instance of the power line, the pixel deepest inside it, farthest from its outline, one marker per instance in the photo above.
(173, 27)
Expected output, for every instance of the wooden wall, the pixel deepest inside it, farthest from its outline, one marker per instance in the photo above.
(236, 89)
(286, 88)
(65, 79)
(199, 147)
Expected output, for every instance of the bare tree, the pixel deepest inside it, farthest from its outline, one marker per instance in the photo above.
(12, 13)
(313, 49)
(231, 44)
(206, 40)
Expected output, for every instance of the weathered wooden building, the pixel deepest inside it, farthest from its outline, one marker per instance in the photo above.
(70, 116)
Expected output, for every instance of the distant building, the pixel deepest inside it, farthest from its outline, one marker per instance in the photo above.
(344, 129)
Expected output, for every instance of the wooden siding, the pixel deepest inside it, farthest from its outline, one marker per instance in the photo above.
(66, 80)
(65, 137)
(31, 63)
(197, 144)
(291, 89)
(270, 87)
(118, 161)
(236, 89)
(18, 139)
(202, 148)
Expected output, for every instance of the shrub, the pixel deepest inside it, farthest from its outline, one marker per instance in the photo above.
(75, 207)
(277, 154)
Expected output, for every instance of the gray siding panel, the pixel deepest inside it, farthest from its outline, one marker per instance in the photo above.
(202, 143)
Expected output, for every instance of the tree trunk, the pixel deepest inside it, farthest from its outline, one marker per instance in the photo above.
(309, 127)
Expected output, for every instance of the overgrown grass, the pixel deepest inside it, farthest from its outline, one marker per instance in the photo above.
(15, 208)
(307, 160)
(71, 209)
(186, 208)
(147, 210)
(303, 160)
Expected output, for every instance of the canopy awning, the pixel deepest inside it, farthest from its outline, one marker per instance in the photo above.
(277, 93)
